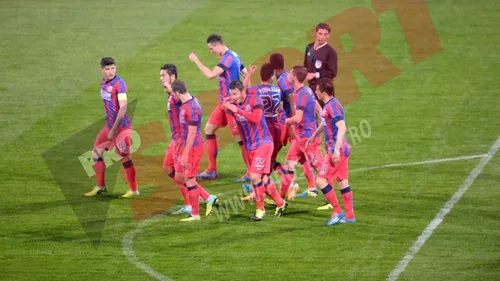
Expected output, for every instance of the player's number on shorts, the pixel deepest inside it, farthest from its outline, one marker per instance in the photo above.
(122, 146)
(259, 163)
(271, 105)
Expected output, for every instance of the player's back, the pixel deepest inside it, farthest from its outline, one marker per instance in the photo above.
(109, 95)
(332, 113)
(232, 65)
(270, 97)
(190, 115)
(306, 102)
(254, 134)
(174, 108)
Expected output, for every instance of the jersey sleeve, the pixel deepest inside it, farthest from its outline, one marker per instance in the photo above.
(301, 101)
(252, 90)
(192, 115)
(255, 102)
(225, 62)
(285, 86)
(337, 113)
(121, 90)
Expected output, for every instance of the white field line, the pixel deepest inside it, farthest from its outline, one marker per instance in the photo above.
(403, 263)
(128, 239)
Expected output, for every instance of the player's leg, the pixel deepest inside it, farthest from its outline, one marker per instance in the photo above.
(326, 170)
(341, 176)
(123, 145)
(101, 144)
(293, 157)
(315, 160)
(237, 137)
(169, 163)
(216, 120)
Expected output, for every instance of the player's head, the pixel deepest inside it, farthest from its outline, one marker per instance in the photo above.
(179, 89)
(215, 44)
(278, 62)
(322, 33)
(168, 73)
(266, 72)
(236, 90)
(325, 89)
(298, 74)
(108, 68)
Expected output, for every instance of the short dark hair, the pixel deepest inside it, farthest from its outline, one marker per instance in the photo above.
(326, 86)
(179, 86)
(171, 69)
(300, 72)
(323, 25)
(266, 72)
(214, 39)
(236, 84)
(277, 61)
(107, 61)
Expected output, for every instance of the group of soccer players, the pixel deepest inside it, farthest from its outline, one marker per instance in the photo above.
(263, 119)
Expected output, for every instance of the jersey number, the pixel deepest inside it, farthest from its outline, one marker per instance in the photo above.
(271, 105)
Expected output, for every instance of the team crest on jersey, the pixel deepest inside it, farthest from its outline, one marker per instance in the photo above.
(110, 89)
(105, 95)
(247, 107)
(181, 116)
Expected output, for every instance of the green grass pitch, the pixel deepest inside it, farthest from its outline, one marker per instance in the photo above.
(446, 106)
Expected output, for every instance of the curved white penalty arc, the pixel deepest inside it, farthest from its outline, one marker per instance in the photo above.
(128, 248)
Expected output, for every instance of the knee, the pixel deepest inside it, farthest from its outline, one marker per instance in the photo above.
(343, 183)
(210, 129)
(179, 178)
(190, 182)
(321, 182)
(255, 178)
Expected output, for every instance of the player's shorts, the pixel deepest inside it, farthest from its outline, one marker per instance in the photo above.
(274, 128)
(221, 118)
(192, 167)
(169, 160)
(121, 141)
(298, 152)
(337, 172)
(260, 159)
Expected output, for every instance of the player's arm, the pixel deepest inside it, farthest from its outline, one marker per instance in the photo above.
(297, 118)
(318, 112)
(190, 139)
(341, 130)
(331, 70)
(210, 74)
(247, 83)
(316, 133)
(290, 100)
(243, 70)
(122, 101)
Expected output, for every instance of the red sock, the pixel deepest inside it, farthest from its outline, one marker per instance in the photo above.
(203, 193)
(244, 154)
(307, 169)
(212, 150)
(130, 171)
(271, 191)
(347, 200)
(194, 194)
(183, 190)
(260, 194)
(286, 180)
(99, 168)
(329, 193)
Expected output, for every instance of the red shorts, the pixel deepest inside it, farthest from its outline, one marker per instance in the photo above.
(121, 141)
(170, 155)
(337, 172)
(221, 118)
(192, 167)
(260, 159)
(284, 134)
(298, 151)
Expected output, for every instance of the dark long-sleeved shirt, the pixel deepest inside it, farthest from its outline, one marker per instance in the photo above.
(322, 60)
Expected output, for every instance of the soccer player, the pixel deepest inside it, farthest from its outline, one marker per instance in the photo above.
(228, 69)
(248, 111)
(305, 125)
(335, 164)
(278, 62)
(190, 150)
(320, 58)
(116, 131)
(168, 74)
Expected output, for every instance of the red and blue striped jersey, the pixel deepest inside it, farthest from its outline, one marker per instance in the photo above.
(253, 134)
(232, 65)
(109, 95)
(286, 89)
(270, 97)
(190, 115)
(333, 112)
(306, 102)
(174, 109)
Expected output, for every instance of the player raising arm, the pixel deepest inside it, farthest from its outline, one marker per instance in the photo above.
(116, 131)
(228, 69)
(248, 112)
(335, 164)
